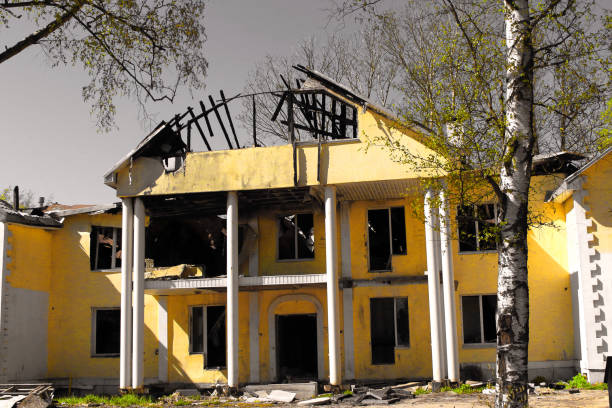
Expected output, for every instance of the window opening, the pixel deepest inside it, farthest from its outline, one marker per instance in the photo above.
(296, 237)
(104, 248)
(207, 334)
(389, 325)
(107, 331)
(479, 319)
(386, 236)
(477, 227)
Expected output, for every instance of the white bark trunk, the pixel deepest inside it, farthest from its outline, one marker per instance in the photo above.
(515, 174)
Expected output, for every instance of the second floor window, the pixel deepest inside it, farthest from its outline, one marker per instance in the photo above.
(477, 230)
(105, 248)
(296, 237)
(386, 236)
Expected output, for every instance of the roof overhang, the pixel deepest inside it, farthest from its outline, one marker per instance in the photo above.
(574, 181)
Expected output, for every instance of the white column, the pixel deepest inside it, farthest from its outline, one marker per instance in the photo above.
(232, 289)
(331, 263)
(433, 284)
(441, 319)
(125, 348)
(138, 296)
(448, 282)
(162, 335)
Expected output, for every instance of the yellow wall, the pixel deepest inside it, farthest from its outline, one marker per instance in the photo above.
(550, 322)
(75, 290)
(29, 257)
(414, 263)
(410, 362)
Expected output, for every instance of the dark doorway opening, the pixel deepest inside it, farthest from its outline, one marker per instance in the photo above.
(296, 347)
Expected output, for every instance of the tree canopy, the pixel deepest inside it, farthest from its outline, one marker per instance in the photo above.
(146, 49)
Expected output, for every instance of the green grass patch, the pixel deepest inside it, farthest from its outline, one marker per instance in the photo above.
(580, 381)
(421, 391)
(125, 400)
(467, 389)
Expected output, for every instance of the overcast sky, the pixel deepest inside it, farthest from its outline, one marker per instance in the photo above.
(49, 140)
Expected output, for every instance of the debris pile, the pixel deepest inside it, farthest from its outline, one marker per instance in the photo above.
(26, 395)
(358, 395)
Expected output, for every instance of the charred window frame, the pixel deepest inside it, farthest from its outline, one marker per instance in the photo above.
(478, 312)
(386, 237)
(476, 227)
(389, 328)
(296, 237)
(105, 331)
(104, 248)
(207, 334)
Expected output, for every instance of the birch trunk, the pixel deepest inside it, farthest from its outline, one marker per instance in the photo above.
(512, 290)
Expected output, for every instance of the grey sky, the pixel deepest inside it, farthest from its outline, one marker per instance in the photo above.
(50, 142)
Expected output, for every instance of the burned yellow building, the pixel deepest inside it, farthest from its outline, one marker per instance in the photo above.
(298, 261)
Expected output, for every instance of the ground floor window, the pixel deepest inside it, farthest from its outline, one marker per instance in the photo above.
(479, 319)
(207, 334)
(106, 332)
(389, 328)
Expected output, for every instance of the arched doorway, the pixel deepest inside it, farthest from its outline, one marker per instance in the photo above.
(295, 324)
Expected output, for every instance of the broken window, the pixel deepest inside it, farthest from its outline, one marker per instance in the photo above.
(477, 230)
(389, 328)
(190, 239)
(479, 319)
(207, 334)
(106, 331)
(104, 248)
(386, 236)
(296, 237)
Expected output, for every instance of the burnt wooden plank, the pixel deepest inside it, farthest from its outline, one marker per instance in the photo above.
(197, 124)
(279, 106)
(203, 107)
(214, 108)
(229, 118)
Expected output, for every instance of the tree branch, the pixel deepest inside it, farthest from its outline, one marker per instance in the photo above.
(122, 64)
(42, 33)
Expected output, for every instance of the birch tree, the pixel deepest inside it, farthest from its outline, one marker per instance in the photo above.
(145, 49)
(481, 76)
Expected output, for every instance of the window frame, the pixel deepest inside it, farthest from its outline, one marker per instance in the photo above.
(396, 346)
(204, 351)
(482, 343)
(94, 329)
(476, 237)
(279, 217)
(405, 252)
(116, 234)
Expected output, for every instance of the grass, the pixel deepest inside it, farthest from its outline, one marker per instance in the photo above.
(125, 400)
(421, 391)
(580, 381)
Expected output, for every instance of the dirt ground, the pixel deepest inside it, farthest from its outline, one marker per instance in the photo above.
(586, 399)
